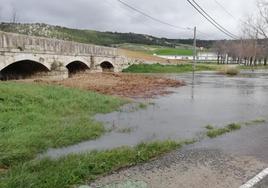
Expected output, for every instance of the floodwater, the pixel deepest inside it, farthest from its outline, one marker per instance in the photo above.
(249, 141)
(208, 99)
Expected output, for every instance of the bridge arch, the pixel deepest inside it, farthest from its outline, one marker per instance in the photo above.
(107, 66)
(77, 66)
(22, 69)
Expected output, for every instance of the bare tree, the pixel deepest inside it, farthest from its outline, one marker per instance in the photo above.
(221, 48)
(261, 20)
(252, 49)
(14, 16)
(255, 34)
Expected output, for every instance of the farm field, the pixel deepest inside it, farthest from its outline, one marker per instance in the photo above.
(158, 50)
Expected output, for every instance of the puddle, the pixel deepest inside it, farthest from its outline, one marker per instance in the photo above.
(213, 99)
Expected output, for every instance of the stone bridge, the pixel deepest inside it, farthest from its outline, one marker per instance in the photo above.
(24, 56)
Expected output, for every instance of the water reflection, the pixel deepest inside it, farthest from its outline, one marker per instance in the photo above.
(193, 85)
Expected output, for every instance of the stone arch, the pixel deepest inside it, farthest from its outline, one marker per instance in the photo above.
(107, 66)
(8, 60)
(22, 69)
(77, 66)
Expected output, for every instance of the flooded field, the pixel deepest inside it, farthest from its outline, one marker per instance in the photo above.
(212, 99)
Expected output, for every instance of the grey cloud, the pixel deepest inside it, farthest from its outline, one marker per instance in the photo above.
(109, 15)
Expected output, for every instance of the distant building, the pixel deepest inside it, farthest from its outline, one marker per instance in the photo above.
(201, 57)
(207, 56)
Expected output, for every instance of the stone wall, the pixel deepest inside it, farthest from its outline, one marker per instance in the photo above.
(17, 43)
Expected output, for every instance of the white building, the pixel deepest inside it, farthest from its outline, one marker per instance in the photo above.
(201, 56)
(207, 56)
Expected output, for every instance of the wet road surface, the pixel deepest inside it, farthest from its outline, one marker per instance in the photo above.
(227, 161)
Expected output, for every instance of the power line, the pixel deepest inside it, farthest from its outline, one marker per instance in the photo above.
(225, 10)
(115, 6)
(158, 20)
(153, 18)
(239, 19)
(214, 19)
(210, 19)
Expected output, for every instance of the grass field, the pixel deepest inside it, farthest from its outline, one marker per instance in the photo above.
(34, 118)
(173, 51)
(159, 50)
(180, 68)
(79, 169)
(147, 49)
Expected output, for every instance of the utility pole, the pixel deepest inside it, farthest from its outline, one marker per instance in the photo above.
(194, 50)
(194, 62)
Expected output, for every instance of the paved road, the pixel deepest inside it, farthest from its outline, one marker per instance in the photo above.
(263, 183)
(227, 161)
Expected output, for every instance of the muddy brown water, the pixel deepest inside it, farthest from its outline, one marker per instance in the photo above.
(212, 99)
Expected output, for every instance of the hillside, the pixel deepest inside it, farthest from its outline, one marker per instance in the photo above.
(95, 37)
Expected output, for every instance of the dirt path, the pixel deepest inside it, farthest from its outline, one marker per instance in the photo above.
(120, 84)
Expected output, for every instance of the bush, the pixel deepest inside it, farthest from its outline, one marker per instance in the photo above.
(231, 71)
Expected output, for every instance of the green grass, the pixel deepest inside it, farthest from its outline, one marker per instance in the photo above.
(158, 68)
(173, 51)
(209, 127)
(159, 50)
(148, 49)
(79, 169)
(214, 132)
(143, 106)
(259, 121)
(254, 122)
(34, 118)
(234, 126)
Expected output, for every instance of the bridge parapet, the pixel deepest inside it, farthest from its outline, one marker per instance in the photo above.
(12, 42)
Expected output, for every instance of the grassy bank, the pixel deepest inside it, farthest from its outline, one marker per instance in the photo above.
(180, 68)
(34, 118)
(78, 169)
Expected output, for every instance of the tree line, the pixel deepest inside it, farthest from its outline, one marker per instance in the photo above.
(252, 48)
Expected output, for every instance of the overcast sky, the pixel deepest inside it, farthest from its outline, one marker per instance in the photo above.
(110, 15)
